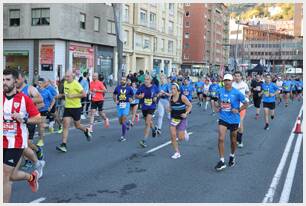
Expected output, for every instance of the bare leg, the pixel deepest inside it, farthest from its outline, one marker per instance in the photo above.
(222, 132)
(173, 139)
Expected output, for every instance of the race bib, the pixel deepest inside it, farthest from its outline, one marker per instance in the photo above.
(148, 102)
(258, 88)
(266, 93)
(9, 129)
(175, 122)
(286, 87)
(122, 105)
(213, 94)
(226, 107)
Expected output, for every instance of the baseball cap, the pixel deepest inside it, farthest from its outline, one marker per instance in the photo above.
(228, 77)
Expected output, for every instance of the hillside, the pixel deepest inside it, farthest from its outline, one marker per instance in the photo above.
(247, 11)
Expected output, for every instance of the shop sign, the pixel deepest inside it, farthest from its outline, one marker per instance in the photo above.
(16, 53)
(46, 54)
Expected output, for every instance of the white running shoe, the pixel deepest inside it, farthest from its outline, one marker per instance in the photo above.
(176, 155)
(40, 167)
(83, 116)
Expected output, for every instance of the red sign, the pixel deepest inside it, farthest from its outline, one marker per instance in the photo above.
(46, 54)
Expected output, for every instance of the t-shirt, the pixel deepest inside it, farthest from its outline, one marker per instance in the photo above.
(267, 89)
(123, 93)
(279, 84)
(230, 100)
(165, 88)
(299, 85)
(187, 91)
(293, 83)
(199, 86)
(256, 85)
(214, 89)
(135, 100)
(47, 98)
(72, 88)
(287, 85)
(85, 85)
(241, 86)
(149, 93)
(15, 134)
(97, 96)
(206, 88)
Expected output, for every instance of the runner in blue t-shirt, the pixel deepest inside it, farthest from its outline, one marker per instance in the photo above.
(122, 96)
(199, 88)
(268, 90)
(299, 88)
(293, 89)
(134, 105)
(229, 100)
(148, 94)
(287, 86)
(213, 94)
(187, 89)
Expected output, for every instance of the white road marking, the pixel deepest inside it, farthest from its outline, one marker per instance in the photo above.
(291, 171)
(162, 145)
(39, 200)
(273, 186)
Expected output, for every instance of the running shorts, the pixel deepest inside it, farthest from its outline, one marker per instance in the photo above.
(146, 112)
(231, 127)
(97, 105)
(257, 101)
(269, 105)
(213, 98)
(123, 109)
(180, 124)
(11, 156)
(74, 113)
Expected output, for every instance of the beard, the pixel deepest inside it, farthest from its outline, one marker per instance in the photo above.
(8, 89)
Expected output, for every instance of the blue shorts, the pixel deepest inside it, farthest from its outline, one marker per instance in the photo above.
(123, 111)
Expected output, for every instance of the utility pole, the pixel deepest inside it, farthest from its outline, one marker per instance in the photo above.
(117, 8)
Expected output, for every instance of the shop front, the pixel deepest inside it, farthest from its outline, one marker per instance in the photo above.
(156, 66)
(104, 60)
(17, 60)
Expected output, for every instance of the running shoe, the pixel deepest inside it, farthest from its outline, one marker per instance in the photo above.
(143, 144)
(62, 147)
(158, 132)
(51, 129)
(231, 161)
(122, 139)
(106, 123)
(40, 154)
(60, 130)
(220, 166)
(131, 123)
(176, 155)
(40, 167)
(83, 116)
(27, 165)
(40, 143)
(34, 183)
(153, 132)
(88, 135)
(267, 127)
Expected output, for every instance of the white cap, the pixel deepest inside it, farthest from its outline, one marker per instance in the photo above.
(228, 77)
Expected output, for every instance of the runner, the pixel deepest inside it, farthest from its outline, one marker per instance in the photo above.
(279, 84)
(49, 101)
(37, 157)
(206, 92)
(199, 88)
(256, 89)
(85, 100)
(122, 96)
(97, 90)
(148, 94)
(187, 89)
(299, 88)
(134, 105)
(244, 89)
(229, 108)
(73, 92)
(18, 110)
(180, 107)
(269, 90)
(287, 90)
(293, 89)
(213, 95)
(163, 103)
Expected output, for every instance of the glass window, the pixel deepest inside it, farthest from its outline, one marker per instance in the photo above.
(111, 29)
(143, 17)
(96, 23)
(170, 46)
(187, 35)
(125, 37)
(170, 27)
(40, 16)
(162, 45)
(171, 9)
(187, 24)
(152, 20)
(126, 13)
(138, 41)
(147, 43)
(187, 4)
(163, 25)
(14, 17)
(82, 21)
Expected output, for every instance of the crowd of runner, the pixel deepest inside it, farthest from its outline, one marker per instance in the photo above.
(50, 105)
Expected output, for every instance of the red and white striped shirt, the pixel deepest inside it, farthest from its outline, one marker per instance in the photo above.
(15, 134)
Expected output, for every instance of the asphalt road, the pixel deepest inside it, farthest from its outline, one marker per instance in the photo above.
(106, 170)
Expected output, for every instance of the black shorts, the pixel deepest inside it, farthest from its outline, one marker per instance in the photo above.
(31, 129)
(231, 127)
(269, 105)
(198, 93)
(205, 95)
(99, 105)
(44, 113)
(75, 113)
(257, 101)
(11, 156)
(213, 98)
(146, 112)
(294, 92)
(299, 91)
(286, 92)
(133, 105)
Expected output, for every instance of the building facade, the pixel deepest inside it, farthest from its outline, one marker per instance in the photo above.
(205, 42)
(45, 40)
(152, 37)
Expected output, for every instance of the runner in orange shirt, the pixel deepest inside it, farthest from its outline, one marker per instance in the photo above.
(97, 89)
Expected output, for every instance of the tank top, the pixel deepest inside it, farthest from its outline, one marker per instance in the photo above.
(177, 108)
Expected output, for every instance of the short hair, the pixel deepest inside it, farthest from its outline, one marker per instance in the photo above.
(12, 72)
(85, 74)
(238, 72)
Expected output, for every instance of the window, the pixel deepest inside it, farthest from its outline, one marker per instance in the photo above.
(171, 9)
(152, 20)
(111, 27)
(147, 43)
(187, 35)
(170, 27)
(96, 23)
(138, 41)
(126, 13)
(125, 37)
(186, 56)
(187, 4)
(170, 46)
(187, 14)
(143, 17)
(83, 21)
(14, 17)
(163, 25)
(162, 45)
(155, 44)
(187, 24)
(40, 17)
